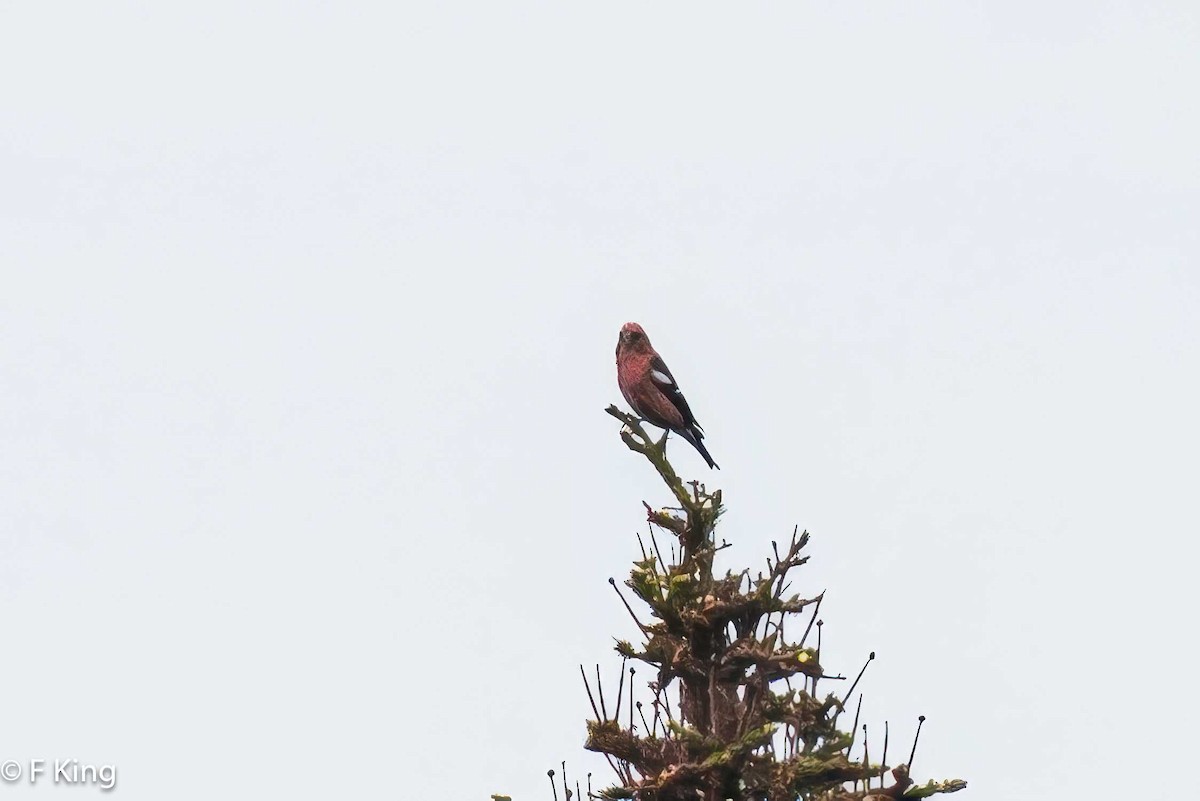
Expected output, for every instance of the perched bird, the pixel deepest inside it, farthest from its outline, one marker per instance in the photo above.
(650, 388)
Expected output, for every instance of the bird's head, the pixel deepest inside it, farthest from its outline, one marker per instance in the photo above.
(632, 338)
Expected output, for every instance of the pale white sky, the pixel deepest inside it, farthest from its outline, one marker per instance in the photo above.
(308, 323)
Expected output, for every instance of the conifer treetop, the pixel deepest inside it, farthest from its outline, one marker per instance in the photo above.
(747, 722)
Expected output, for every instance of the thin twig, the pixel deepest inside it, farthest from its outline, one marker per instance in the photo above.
(912, 754)
(600, 692)
(595, 711)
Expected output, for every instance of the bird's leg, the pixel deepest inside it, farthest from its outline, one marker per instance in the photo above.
(662, 443)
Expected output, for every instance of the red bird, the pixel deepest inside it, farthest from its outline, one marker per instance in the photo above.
(650, 388)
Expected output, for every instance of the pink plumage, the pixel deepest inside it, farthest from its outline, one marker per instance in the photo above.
(651, 390)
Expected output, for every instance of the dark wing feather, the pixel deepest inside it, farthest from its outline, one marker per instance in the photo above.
(660, 374)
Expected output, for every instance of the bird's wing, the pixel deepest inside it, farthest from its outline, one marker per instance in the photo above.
(660, 374)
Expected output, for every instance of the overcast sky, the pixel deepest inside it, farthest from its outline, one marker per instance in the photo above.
(308, 319)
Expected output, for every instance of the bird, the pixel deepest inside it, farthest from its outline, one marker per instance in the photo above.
(650, 389)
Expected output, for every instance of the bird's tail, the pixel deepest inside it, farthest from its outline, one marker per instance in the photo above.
(694, 436)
